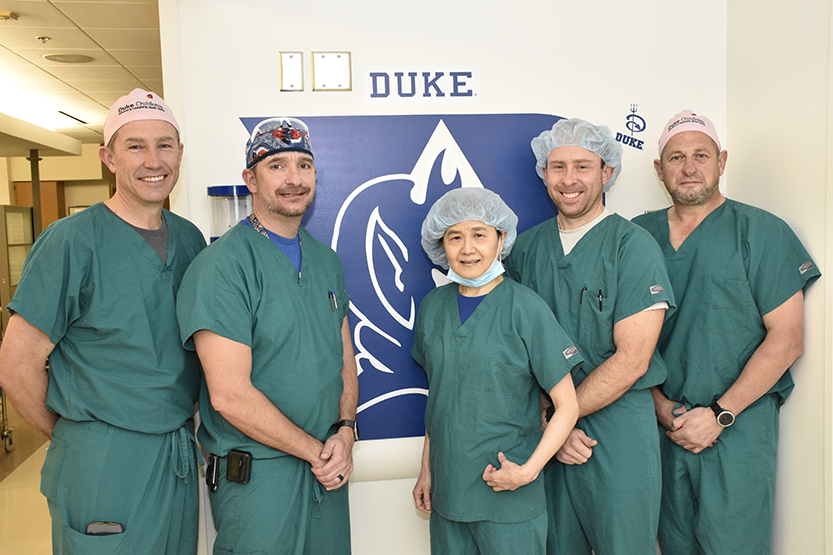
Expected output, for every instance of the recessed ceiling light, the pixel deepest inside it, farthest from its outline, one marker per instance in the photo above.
(68, 58)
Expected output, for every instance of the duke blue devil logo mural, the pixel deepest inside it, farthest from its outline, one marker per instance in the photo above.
(377, 178)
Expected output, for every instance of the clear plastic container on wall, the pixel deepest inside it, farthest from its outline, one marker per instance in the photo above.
(229, 205)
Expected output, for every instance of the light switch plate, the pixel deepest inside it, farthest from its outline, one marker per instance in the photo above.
(292, 71)
(331, 71)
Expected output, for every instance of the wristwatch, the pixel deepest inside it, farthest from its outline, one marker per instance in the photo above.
(724, 417)
(352, 424)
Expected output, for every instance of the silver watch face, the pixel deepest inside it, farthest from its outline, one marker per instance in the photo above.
(725, 418)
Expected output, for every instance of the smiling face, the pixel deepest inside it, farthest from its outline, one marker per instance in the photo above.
(690, 168)
(282, 186)
(471, 247)
(575, 180)
(145, 156)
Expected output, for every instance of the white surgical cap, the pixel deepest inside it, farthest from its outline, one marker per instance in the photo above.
(577, 132)
(466, 204)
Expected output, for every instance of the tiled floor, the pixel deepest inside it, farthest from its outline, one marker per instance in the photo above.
(24, 516)
(25, 442)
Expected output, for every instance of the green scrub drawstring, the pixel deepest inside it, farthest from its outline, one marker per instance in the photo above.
(677, 407)
(183, 463)
(319, 495)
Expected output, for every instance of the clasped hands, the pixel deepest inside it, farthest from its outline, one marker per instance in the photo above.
(335, 462)
(694, 430)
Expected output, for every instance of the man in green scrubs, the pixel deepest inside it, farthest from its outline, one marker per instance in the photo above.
(605, 280)
(739, 274)
(97, 296)
(266, 310)
(488, 346)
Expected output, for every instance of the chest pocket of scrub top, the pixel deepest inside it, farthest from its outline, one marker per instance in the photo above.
(332, 322)
(595, 318)
(499, 391)
(728, 302)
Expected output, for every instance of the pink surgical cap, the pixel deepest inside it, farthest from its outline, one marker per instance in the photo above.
(138, 105)
(687, 121)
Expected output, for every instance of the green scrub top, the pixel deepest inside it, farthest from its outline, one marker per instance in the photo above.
(483, 382)
(107, 301)
(244, 288)
(615, 271)
(739, 264)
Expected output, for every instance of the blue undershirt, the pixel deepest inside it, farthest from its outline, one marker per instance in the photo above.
(290, 247)
(467, 305)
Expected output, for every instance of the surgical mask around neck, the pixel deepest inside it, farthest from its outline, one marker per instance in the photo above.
(494, 271)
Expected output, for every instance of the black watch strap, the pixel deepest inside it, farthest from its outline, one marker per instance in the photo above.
(350, 424)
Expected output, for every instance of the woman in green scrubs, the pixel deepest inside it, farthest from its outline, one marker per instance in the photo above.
(488, 346)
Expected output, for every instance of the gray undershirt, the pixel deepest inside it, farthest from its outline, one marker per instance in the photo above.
(156, 238)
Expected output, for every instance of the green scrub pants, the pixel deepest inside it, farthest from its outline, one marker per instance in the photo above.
(611, 503)
(147, 483)
(283, 509)
(720, 501)
(449, 537)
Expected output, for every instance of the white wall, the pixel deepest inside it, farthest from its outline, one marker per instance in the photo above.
(591, 60)
(779, 101)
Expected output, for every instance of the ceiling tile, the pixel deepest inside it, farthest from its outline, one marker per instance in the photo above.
(146, 73)
(59, 39)
(123, 86)
(33, 14)
(151, 57)
(141, 39)
(107, 98)
(32, 78)
(11, 58)
(83, 107)
(111, 15)
(156, 86)
(71, 72)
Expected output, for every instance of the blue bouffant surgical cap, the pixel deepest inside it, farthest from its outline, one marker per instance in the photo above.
(466, 204)
(577, 132)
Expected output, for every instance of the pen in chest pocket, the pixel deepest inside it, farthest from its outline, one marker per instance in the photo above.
(581, 297)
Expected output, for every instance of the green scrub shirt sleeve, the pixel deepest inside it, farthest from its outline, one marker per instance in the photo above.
(552, 354)
(776, 273)
(48, 294)
(642, 276)
(216, 297)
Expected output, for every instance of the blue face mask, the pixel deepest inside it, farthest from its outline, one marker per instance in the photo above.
(494, 271)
